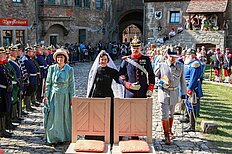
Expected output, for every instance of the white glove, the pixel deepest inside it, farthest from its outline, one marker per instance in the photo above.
(149, 93)
(135, 86)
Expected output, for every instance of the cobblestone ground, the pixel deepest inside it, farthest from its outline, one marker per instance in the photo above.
(29, 135)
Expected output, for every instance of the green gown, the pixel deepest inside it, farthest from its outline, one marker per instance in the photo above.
(57, 111)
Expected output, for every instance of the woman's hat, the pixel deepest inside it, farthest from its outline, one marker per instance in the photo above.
(60, 51)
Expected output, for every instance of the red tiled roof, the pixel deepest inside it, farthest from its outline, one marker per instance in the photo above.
(198, 6)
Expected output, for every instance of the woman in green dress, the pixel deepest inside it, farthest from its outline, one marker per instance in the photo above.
(58, 97)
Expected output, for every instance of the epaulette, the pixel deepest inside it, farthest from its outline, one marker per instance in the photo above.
(125, 57)
(195, 64)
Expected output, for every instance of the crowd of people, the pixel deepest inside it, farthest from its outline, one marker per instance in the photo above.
(86, 52)
(43, 75)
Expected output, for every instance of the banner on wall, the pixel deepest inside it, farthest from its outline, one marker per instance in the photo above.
(13, 22)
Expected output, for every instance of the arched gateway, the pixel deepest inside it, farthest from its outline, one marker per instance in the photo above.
(126, 15)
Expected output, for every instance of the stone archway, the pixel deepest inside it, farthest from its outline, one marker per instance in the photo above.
(129, 32)
(55, 33)
(132, 17)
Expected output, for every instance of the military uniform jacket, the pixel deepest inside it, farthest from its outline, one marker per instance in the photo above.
(193, 75)
(175, 74)
(31, 70)
(16, 81)
(42, 65)
(50, 61)
(134, 74)
(227, 61)
(24, 74)
(217, 60)
(5, 82)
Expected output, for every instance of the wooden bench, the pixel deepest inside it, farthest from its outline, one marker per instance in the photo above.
(132, 117)
(90, 116)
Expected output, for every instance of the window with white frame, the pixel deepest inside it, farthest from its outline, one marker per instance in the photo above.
(174, 17)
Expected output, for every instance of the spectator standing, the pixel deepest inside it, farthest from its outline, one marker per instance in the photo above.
(179, 29)
(172, 33)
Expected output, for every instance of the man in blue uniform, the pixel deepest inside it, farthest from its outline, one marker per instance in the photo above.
(137, 72)
(50, 61)
(32, 72)
(193, 73)
(43, 71)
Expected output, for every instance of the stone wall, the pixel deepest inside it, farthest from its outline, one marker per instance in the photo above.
(228, 16)
(151, 26)
(188, 37)
(24, 11)
(191, 38)
(72, 19)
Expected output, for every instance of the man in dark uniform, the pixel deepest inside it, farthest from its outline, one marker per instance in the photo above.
(13, 93)
(17, 86)
(32, 72)
(227, 63)
(50, 61)
(217, 65)
(24, 77)
(193, 73)
(43, 71)
(5, 101)
(137, 72)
